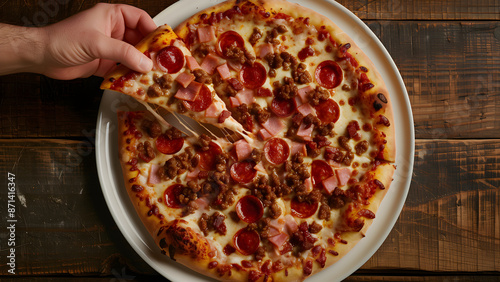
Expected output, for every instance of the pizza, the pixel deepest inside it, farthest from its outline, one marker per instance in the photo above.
(173, 84)
(298, 184)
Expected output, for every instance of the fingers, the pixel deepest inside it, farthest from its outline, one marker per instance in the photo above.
(138, 19)
(132, 36)
(119, 51)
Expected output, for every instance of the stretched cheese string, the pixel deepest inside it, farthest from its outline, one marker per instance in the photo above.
(165, 123)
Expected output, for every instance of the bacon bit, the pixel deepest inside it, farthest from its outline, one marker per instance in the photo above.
(383, 120)
(345, 47)
(224, 115)
(379, 184)
(307, 269)
(333, 252)
(322, 258)
(246, 264)
(137, 188)
(266, 267)
(366, 213)
(254, 275)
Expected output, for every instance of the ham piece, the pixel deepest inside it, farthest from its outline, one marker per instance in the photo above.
(153, 177)
(343, 175)
(263, 134)
(330, 184)
(206, 34)
(184, 79)
(212, 111)
(224, 71)
(210, 62)
(245, 96)
(274, 125)
(265, 49)
(189, 93)
(192, 63)
(303, 93)
(306, 109)
(243, 149)
(305, 131)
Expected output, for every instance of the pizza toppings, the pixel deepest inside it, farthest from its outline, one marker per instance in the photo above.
(276, 151)
(253, 76)
(169, 145)
(309, 175)
(171, 196)
(303, 209)
(249, 209)
(320, 171)
(328, 74)
(207, 157)
(243, 172)
(228, 41)
(202, 101)
(283, 107)
(246, 241)
(328, 111)
(170, 59)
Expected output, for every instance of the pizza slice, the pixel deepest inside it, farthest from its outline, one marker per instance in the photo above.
(176, 83)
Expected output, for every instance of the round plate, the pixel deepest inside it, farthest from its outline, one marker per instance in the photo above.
(123, 212)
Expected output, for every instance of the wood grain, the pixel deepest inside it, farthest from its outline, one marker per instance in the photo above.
(39, 13)
(64, 226)
(451, 70)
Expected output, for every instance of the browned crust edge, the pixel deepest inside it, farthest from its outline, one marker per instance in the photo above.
(162, 36)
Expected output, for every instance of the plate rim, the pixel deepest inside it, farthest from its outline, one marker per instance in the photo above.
(124, 224)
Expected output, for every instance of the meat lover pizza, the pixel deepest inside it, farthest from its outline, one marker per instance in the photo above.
(307, 152)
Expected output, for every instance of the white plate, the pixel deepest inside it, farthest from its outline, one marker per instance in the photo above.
(124, 214)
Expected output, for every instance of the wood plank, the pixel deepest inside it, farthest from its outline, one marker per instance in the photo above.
(431, 278)
(37, 106)
(45, 12)
(356, 277)
(450, 221)
(451, 70)
(424, 9)
(63, 224)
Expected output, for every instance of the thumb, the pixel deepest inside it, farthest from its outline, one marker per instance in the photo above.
(119, 51)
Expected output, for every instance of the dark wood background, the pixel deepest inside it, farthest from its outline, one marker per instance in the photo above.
(448, 53)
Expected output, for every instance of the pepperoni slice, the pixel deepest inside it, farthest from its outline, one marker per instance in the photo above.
(207, 158)
(170, 59)
(228, 39)
(171, 196)
(283, 107)
(202, 101)
(253, 76)
(243, 172)
(250, 209)
(263, 92)
(328, 111)
(320, 170)
(302, 209)
(246, 241)
(328, 74)
(276, 151)
(167, 146)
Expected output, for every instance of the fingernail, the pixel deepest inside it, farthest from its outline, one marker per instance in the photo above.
(145, 64)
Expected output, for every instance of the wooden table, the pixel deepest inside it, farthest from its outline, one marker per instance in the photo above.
(448, 53)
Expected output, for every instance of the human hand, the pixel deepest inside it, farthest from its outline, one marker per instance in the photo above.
(91, 42)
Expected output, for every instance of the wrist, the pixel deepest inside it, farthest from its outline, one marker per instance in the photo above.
(23, 48)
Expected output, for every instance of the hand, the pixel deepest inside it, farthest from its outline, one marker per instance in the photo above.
(90, 43)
